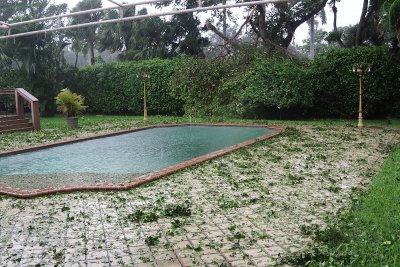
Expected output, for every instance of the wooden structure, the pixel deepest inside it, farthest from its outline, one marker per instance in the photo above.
(18, 122)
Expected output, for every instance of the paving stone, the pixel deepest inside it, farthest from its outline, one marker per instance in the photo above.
(212, 258)
(174, 263)
(98, 223)
(181, 245)
(240, 263)
(264, 261)
(255, 253)
(164, 255)
(186, 262)
(236, 255)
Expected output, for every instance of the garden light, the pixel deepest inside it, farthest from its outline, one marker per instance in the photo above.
(360, 69)
(145, 77)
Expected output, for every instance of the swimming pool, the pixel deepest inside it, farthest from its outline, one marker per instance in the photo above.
(120, 158)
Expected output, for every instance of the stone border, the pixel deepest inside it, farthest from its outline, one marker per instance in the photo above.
(137, 181)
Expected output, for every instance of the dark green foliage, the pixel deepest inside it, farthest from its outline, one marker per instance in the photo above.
(336, 86)
(252, 86)
(11, 79)
(178, 210)
(117, 88)
(281, 87)
(152, 240)
(38, 58)
(276, 84)
(143, 216)
(239, 87)
(199, 85)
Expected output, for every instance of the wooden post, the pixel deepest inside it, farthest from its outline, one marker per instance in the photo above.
(144, 100)
(21, 93)
(360, 116)
(35, 115)
(19, 105)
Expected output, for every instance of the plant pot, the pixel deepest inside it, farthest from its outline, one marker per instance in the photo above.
(72, 122)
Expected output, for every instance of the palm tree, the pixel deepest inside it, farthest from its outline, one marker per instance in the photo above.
(312, 25)
(88, 35)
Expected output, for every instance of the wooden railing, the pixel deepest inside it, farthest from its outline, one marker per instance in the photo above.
(21, 94)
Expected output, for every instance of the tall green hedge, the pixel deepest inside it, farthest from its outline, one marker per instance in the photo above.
(257, 87)
(270, 87)
(336, 86)
(117, 88)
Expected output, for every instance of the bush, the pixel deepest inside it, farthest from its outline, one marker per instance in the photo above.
(276, 85)
(251, 85)
(69, 103)
(11, 79)
(231, 88)
(198, 84)
(336, 86)
(117, 88)
(270, 87)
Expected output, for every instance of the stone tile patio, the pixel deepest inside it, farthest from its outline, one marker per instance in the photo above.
(248, 208)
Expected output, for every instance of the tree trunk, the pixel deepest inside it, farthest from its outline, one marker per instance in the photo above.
(334, 10)
(261, 21)
(76, 58)
(335, 30)
(91, 53)
(312, 37)
(361, 24)
(290, 24)
(224, 25)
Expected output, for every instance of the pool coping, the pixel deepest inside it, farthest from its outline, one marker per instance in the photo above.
(138, 180)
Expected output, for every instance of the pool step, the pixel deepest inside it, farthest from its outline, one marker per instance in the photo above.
(14, 123)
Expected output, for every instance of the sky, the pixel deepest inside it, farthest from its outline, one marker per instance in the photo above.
(349, 12)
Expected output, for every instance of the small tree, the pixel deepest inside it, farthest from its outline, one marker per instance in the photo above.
(71, 105)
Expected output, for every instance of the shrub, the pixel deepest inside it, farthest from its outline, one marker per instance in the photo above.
(336, 87)
(251, 85)
(231, 88)
(70, 104)
(275, 85)
(12, 79)
(117, 88)
(198, 85)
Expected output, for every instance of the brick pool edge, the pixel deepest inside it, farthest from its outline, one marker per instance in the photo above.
(137, 181)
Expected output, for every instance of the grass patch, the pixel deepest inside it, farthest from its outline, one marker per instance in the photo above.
(369, 235)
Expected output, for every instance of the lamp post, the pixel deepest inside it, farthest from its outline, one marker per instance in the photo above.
(360, 69)
(145, 75)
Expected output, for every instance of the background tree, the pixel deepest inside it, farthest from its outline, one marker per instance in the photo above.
(88, 35)
(184, 29)
(38, 57)
(116, 37)
(313, 26)
(335, 35)
(276, 23)
(147, 39)
(394, 14)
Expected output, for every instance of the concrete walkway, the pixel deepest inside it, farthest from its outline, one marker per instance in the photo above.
(252, 207)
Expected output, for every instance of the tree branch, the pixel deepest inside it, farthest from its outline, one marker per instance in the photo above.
(245, 22)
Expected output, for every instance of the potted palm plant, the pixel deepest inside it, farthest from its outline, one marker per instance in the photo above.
(71, 105)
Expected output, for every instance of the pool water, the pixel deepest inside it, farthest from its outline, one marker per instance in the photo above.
(132, 153)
